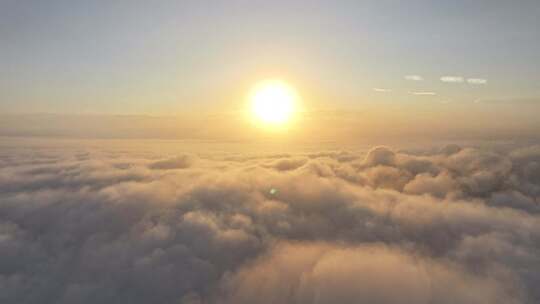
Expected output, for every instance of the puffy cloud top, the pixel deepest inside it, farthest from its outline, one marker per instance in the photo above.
(454, 225)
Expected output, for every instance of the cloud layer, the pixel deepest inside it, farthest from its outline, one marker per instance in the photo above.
(454, 225)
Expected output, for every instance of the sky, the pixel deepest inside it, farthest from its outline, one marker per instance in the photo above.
(169, 57)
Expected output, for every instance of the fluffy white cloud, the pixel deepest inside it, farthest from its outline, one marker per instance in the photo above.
(457, 225)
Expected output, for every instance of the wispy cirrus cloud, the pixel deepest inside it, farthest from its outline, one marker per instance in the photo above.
(382, 90)
(452, 79)
(510, 100)
(423, 93)
(476, 80)
(414, 77)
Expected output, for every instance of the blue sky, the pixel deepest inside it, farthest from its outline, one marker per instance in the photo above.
(168, 56)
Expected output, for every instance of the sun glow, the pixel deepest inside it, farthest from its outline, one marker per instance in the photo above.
(273, 102)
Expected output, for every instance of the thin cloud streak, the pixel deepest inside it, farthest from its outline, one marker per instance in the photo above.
(510, 100)
(423, 93)
(452, 79)
(477, 81)
(414, 77)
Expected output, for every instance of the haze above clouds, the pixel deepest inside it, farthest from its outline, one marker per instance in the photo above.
(375, 123)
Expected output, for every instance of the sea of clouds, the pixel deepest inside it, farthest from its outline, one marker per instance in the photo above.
(452, 225)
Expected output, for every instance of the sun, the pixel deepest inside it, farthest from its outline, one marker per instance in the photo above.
(273, 102)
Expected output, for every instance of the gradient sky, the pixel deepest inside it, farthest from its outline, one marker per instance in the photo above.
(142, 57)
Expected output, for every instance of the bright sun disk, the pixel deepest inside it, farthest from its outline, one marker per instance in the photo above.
(273, 102)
